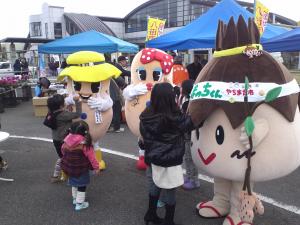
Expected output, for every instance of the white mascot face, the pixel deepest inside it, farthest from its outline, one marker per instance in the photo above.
(85, 90)
(219, 151)
(157, 69)
(220, 148)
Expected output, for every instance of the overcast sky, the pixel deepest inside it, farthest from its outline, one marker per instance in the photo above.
(14, 14)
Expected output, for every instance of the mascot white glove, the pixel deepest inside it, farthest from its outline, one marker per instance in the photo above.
(100, 103)
(131, 91)
(69, 100)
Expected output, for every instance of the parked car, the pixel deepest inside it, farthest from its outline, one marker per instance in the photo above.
(6, 69)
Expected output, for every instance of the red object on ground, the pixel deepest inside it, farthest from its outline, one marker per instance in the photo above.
(141, 165)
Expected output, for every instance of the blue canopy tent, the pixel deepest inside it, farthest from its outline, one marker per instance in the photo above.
(201, 32)
(286, 42)
(88, 41)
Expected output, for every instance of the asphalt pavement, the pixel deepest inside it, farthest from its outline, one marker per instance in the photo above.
(118, 196)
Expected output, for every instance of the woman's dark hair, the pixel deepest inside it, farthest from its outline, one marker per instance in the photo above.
(163, 99)
(44, 82)
(55, 102)
(82, 128)
(187, 86)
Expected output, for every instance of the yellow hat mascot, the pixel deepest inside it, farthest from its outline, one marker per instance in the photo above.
(88, 78)
(149, 66)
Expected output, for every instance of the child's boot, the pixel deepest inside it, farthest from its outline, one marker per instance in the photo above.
(57, 172)
(169, 217)
(80, 201)
(74, 194)
(151, 216)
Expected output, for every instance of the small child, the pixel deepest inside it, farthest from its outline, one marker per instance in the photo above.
(162, 127)
(191, 180)
(63, 120)
(78, 159)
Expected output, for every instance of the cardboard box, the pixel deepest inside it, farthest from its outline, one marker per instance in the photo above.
(40, 106)
(39, 101)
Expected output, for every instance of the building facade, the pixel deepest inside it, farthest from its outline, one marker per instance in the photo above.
(54, 23)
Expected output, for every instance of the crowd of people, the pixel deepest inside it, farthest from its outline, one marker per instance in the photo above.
(21, 67)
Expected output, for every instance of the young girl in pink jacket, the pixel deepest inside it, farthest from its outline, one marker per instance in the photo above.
(78, 159)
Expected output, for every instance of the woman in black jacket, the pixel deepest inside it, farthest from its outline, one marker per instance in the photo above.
(162, 128)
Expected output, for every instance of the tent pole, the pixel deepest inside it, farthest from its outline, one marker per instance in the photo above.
(254, 8)
(299, 62)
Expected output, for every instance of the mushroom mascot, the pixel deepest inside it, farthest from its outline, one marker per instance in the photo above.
(246, 106)
(88, 77)
(149, 66)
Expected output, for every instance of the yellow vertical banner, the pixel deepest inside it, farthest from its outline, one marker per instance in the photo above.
(261, 16)
(155, 27)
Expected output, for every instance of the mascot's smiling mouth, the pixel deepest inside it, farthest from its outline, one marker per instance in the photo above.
(239, 156)
(84, 97)
(209, 159)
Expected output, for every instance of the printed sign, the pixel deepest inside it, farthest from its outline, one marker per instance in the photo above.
(261, 16)
(155, 27)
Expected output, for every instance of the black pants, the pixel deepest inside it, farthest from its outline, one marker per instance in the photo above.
(117, 110)
(57, 145)
(82, 189)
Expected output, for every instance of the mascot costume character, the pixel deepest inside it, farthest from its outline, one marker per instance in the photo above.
(149, 66)
(88, 77)
(245, 104)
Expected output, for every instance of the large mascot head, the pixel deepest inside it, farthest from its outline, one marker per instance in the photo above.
(88, 75)
(217, 106)
(149, 66)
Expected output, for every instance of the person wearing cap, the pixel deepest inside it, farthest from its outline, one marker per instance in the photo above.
(89, 76)
(121, 65)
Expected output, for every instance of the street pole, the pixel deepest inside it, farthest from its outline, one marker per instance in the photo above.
(254, 7)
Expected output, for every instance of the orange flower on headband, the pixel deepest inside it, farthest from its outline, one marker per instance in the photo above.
(166, 60)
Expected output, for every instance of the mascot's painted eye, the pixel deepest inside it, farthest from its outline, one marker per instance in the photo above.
(220, 135)
(141, 73)
(157, 74)
(95, 87)
(77, 86)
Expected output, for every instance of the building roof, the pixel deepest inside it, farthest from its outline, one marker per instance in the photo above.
(25, 40)
(210, 3)
(87, 22)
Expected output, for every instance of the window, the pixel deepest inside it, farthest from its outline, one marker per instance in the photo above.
(46, 29)
(5, 66)
(35, 28)
(57, 30)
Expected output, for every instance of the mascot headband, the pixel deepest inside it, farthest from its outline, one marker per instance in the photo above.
(151, 54)
(235, 92)
(250, 50)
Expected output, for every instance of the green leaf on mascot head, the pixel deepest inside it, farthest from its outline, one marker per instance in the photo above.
(273, 94)
(246, 84)
(249, 125)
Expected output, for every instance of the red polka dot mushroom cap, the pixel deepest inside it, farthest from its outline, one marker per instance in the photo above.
(151, 54)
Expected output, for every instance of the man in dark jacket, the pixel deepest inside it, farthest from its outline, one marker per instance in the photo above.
(194, 68)
(122, 63)
(115, 90)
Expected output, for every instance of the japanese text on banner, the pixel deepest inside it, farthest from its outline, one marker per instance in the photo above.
(261, 16)
(155, 27)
